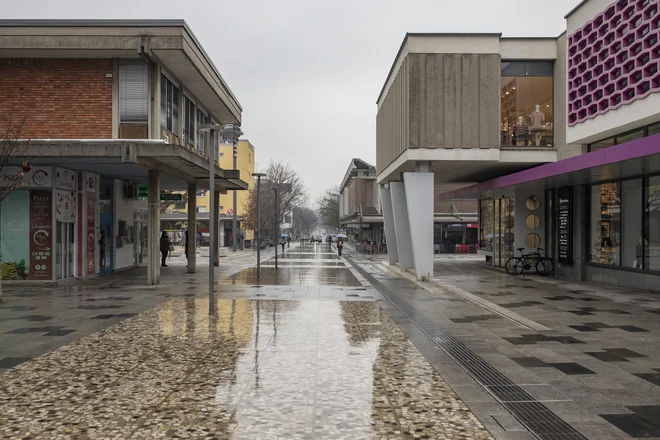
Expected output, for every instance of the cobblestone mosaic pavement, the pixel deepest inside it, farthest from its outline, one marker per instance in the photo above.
(256, 369)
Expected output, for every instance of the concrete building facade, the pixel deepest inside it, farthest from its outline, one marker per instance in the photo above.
(106, 115)
(556, 137)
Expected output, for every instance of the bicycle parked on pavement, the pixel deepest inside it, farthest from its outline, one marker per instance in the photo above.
(517, 265)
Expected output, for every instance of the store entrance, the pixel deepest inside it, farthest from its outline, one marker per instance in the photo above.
(106, 223)
(65, 245)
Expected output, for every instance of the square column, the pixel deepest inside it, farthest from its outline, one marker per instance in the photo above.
(192, 227)
(388, 221)
(419, 200)
(153, 228)
(401, 225)
(216, 210)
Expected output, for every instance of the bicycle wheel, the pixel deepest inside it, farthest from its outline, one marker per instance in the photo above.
(514, 266)
(544, 266)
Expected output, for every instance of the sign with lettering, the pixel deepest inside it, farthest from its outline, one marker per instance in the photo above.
(65, 179)
(65, 206)
(34, 177)
(565, 225)
(90, 242)
(41, 227)
(171, 197)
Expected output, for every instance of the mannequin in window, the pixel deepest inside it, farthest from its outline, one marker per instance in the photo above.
(520, 132)
(538, 121)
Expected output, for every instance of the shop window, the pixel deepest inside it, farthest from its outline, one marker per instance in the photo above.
(601, 144)
(527, 111)
(605, 227)
(634, 135)
(486, 225)
(651, 240)
(631, 202)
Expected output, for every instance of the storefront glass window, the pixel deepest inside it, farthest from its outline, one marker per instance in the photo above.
(652, 211)
(631, 202)
(486, 225)
(630, 137)
(606, 224)
(527, 111)
(601, 144)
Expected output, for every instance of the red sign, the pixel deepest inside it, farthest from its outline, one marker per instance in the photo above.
(472, 225)
(91, 228)
(41, 228)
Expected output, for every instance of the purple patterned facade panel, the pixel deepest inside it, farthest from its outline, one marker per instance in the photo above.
(614, 59)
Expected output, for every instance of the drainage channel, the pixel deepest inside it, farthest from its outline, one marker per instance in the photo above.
(535, 416)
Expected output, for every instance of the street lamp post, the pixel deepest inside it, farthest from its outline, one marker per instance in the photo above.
(258, 232)
(277, 222)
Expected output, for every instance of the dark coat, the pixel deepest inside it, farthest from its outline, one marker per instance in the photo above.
(186, 245)
(164, 243)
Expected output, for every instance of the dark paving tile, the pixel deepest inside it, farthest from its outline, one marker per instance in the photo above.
(60, 332)
(103, 316)
(606, 356)
(36, 318)
(536, 338)
(17, 308)
(583, 328)
(118, 298)
(521, 304)
(598, 325)
(11, 362)
(633, 425)
(477, 318)
(530, 362)
(568, 298)
(654, 378)
(624, 352)
(111, 306)
(571, 368)
(632, 329)
(649, 412)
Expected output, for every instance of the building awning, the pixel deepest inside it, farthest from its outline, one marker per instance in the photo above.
(130, 160)
(641, 156)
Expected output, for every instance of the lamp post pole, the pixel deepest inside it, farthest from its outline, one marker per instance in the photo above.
(277, 223)
(258, 232)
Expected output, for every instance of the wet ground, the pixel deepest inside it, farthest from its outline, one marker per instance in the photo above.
(329, 348)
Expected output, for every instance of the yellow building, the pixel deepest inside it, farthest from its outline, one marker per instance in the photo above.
(245, 164)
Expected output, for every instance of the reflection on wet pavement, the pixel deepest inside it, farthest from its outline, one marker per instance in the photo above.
(256, 369)
(311, 276)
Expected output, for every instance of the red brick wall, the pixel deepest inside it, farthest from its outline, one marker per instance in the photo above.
(60, 98)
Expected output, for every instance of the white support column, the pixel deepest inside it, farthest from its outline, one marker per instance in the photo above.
(419, 200)
(402, 225)
(192, 227)
(216, 209)
(388, 220)
(153, 241)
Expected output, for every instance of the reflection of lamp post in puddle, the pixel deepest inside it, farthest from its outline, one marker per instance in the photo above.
(259, 176)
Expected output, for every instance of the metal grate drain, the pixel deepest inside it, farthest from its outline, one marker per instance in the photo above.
(535, 416)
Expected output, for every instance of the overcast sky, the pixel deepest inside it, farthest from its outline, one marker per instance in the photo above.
(308, 72)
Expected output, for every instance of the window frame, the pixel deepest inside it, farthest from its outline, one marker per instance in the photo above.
(171, 120)
(645, 178)
(616, 137)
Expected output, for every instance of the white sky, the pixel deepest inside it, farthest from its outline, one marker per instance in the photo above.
(308, 72)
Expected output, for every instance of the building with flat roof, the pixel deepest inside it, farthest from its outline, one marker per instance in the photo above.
(113, 111)
(556, 137)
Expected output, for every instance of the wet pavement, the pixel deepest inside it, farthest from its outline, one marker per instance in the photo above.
(280, 361)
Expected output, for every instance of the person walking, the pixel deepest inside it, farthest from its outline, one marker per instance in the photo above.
(283, 243)
(340, 245)
(185, 246)
(164, 247)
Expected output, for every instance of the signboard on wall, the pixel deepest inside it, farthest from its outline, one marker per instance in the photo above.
(65, 206)
(41, 228)
(65, 179)
(35, 177)
(90, 242)
(565, 225)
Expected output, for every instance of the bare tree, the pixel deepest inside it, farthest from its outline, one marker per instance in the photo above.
(328, 206)
(292, 193)
(12, 147)
(305, 219)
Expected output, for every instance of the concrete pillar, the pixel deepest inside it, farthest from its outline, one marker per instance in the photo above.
(153, 240)
(402, 225)
(192, 227)
(216, 210)
(388, 220)
(419, 201)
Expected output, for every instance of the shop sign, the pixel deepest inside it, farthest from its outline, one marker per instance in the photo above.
(143, 191)
(91, 227)
(41, 226)
(65, 179)
(36, 177)
(90, 182)
(472, 225)
(170, 197)
(65, 206)
(565, 223)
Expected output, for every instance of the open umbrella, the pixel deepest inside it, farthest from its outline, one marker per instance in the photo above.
(341, 235)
